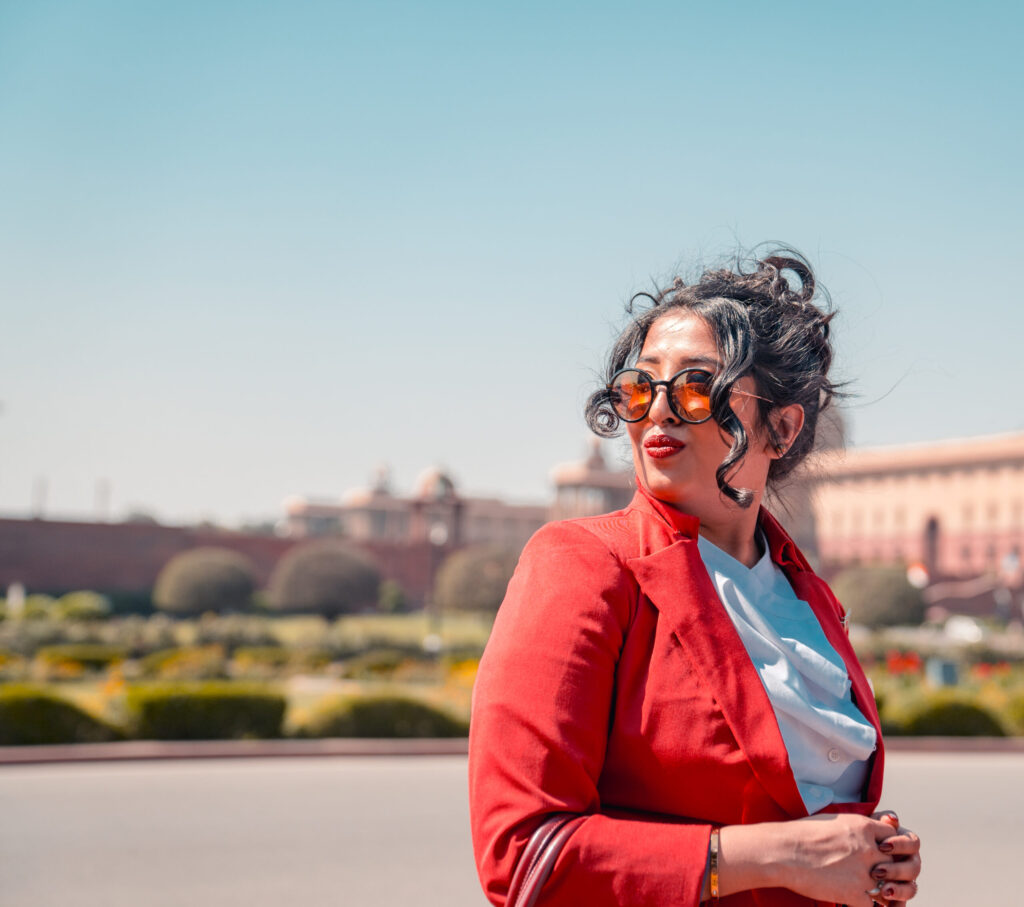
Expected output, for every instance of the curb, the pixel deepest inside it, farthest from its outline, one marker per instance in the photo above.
(134, 750)
(954, 744)
(141, 750)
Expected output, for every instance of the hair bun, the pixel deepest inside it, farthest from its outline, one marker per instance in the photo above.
(780, 287)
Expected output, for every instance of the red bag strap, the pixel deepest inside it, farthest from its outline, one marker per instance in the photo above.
(539, 856)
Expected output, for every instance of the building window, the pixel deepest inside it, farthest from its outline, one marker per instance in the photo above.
(993, 511)
(965, 553)
(968, 514)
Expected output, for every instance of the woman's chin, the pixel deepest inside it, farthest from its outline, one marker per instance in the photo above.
(663, 486)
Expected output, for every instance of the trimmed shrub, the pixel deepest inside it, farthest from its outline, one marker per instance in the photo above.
(948, 716)
(38, 607)
(1015, 713)
(392, 598)
(12, 665)
(266, 661)
(185, 663)
(325, 576)
(32, 716)
(205, 579)
(879, 596)
(374, 663)
(82, 606)
(204, 711)
(474, 579)
(383, 716)
(262, 657)
(234, 630)
(90, 656)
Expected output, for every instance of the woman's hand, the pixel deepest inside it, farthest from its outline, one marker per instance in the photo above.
(828, 857)
(897, 876)
(835, 855)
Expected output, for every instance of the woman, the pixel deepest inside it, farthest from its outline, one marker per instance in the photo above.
(674, 672)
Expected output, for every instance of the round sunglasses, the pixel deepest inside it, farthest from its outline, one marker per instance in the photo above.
(632, 394)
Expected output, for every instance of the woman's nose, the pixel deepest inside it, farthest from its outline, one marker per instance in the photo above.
(661, 412)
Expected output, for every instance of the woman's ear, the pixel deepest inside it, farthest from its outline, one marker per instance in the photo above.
(787, 421)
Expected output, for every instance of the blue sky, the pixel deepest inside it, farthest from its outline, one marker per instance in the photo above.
(250, 250)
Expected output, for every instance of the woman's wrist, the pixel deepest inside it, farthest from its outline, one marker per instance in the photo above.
(754, 856)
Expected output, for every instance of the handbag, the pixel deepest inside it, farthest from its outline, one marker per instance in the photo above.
(539, 856)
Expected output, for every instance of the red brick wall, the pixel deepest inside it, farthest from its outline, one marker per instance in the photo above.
(55, 556)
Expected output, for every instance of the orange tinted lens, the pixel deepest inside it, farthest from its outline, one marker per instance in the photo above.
(692, 395)
(631, 396)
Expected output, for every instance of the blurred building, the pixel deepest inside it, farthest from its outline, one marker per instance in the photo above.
(437, 512)
(590, 486)
(956, 507)
(407, 536)
(434, 513)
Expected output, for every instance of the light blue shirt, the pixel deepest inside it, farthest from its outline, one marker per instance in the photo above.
(828, 740)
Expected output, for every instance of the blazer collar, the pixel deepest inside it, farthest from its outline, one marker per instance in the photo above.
(673, 576)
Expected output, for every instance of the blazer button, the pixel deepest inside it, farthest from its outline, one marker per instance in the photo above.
(834, 755)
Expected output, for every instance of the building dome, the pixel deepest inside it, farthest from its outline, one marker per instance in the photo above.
(435, 484)
(592, 472)
(357, 497)
(380, 486)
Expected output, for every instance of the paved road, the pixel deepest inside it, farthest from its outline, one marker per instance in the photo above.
(384, 831)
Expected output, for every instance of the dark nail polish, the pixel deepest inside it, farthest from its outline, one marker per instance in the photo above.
(885, 847)
(878, 872)
(889, 891)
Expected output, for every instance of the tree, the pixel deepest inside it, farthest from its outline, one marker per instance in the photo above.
(879, 596)
(475, 578)
(205, 579)
(325, 576)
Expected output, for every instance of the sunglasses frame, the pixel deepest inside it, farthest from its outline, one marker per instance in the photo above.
(668, 393)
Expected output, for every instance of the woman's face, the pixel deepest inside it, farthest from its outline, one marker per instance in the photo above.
(676, 460)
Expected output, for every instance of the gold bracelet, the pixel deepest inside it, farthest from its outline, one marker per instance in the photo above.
(713, 865)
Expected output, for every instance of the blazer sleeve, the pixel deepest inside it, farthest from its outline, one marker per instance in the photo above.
(539, 729)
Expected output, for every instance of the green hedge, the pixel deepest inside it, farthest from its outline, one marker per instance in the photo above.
(383, 716)
(376, 663)
(90, 656)
(29, 715)
(185, 663)
(1015, 712)
(204, 711)
(944, 715)
(269, 660)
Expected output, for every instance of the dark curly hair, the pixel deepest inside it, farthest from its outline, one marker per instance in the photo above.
(764, 326)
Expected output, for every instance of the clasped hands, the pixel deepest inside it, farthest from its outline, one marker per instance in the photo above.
(896, 878)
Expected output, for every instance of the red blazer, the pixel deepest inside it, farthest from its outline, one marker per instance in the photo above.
(615, 685)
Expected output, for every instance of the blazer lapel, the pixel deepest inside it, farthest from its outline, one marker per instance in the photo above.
(677, 583)
(812, 590)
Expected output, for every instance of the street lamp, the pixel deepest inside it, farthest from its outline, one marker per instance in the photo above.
(437, 536)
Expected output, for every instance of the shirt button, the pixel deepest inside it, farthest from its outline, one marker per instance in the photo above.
(834, 755)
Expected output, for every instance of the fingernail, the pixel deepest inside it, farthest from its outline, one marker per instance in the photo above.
(885, 847)
(889, 891)
(878, 872)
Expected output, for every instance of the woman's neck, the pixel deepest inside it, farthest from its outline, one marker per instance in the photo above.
(736, 536)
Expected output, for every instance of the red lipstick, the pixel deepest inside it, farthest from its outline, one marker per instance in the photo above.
(661, 446)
